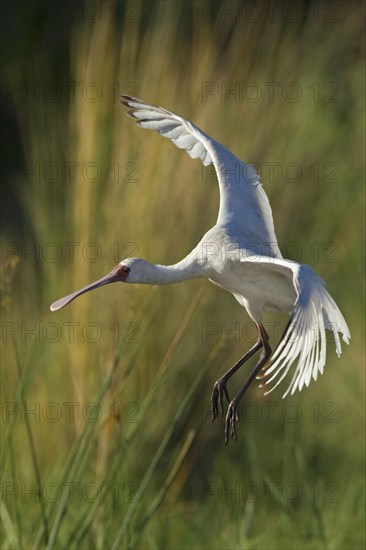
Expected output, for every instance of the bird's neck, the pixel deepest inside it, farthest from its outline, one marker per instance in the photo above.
(170, 274)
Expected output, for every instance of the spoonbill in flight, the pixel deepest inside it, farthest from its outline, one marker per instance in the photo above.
(240, 254)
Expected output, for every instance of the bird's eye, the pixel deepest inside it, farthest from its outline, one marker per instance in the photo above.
(126, 269)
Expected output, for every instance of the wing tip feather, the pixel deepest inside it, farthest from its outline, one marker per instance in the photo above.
(304, 340)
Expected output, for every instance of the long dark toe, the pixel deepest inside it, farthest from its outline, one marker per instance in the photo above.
(217, 401)
(214, 407)
(221, 402)
(232, 417)
(226, 394)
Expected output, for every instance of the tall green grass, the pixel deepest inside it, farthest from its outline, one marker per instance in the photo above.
(152, 471)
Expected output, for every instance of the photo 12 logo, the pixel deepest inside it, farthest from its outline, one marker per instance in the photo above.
(291, 492)
(73, 491)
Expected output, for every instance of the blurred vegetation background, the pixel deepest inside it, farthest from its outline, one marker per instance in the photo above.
(107, 440)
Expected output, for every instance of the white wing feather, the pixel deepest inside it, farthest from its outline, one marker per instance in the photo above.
(304, 340)
(243, 203)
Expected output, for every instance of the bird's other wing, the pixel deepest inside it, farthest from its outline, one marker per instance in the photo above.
(243, 203)
(304, 340)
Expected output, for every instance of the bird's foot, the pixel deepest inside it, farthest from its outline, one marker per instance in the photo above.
(218, 392)
(232, 417)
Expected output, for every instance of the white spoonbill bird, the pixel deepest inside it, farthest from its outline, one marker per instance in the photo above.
(240, 254)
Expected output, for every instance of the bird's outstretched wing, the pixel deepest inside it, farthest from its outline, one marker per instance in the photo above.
(243, 203)
(304, 339)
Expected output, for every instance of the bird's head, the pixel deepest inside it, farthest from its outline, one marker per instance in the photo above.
(130, 270)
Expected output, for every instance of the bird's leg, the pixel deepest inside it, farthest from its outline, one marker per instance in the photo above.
(220, 389)
(232, 413)
(262, 374)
